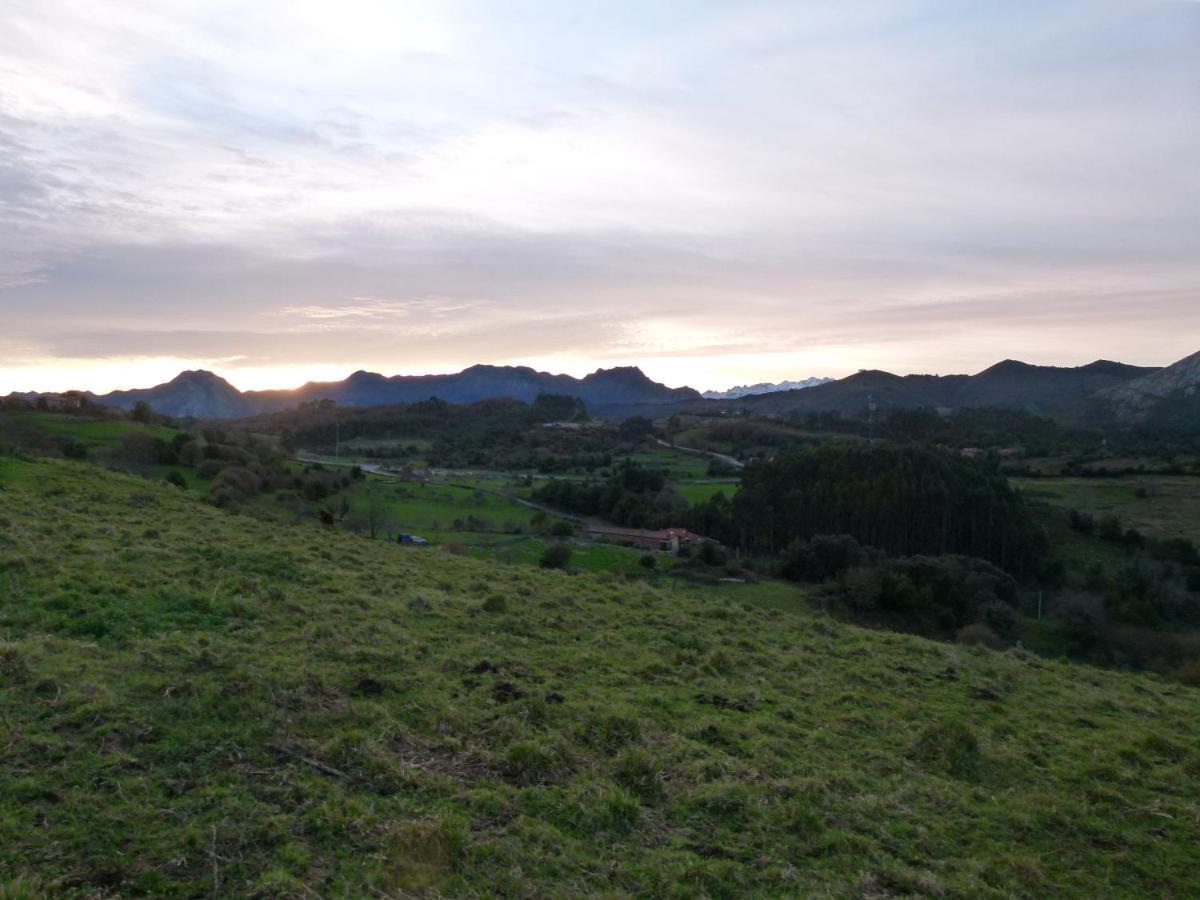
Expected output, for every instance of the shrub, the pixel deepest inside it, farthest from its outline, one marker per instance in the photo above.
(556, 556)
(534, 762)
(639, 773)
(1188, 673)
(1001, 618)
(977, 633)
(210, 468)
(1084, 523)
(1110, 529)
(822, 556)
(242, 483)
(175, 478)
(647, 561)
(562, 528)
(711, 554)
(950, 748)
(496, 603)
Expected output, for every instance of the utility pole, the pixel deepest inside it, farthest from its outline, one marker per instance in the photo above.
(871, 419)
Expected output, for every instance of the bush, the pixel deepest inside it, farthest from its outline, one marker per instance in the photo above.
(556, 556)
(1188, 673)
(647, 561)
(175, 478)
(934, 595)
(496, 603)
(239, 482)
(711, 554)
(210, 468)
(1110, 529)
(822, 557)
(562, 528)
(1001, 618)
(950, 748)
(979, 634)
(1084, 523)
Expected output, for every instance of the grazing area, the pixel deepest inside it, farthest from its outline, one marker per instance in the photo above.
(197, 702)
(1160, 506)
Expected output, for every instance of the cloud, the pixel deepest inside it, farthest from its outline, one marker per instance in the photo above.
(446, 183)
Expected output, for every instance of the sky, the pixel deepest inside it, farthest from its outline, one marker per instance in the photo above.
(718, 192)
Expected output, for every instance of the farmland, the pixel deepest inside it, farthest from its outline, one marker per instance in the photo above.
(1162, 506)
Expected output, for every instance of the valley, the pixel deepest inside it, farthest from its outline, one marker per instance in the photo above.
(416, 649)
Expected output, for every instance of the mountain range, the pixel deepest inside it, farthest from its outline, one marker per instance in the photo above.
(1101, 392)
(764, 387)
(205, 395)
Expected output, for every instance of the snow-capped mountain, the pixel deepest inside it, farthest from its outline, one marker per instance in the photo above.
(765, 387)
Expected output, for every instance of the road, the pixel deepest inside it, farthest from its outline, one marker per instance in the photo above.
(376, 469)
(736, 463)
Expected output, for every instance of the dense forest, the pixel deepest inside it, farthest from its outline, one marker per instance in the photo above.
(554, 433)
(903, 500)
(633, 495)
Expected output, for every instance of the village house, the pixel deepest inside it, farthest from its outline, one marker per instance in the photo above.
(664, 539)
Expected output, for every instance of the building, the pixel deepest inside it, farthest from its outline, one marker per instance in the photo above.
(666, 539)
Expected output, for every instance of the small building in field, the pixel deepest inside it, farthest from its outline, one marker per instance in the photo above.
(664, 539)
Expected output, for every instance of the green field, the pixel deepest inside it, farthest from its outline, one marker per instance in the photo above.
(585, 556)
(199, 703)
(97, 434)
(676, 463)
(699, 491)
(1169, 508)
(437, 512)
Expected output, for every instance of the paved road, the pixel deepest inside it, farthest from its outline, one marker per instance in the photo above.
(736, 463)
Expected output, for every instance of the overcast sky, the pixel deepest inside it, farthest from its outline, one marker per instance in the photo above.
(720, 192)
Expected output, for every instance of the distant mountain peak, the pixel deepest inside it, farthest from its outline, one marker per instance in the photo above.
(203, 394)
(765, 387)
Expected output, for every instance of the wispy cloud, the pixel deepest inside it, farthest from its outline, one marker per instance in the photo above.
(437, 183)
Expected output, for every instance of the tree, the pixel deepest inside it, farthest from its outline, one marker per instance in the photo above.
(556, 556)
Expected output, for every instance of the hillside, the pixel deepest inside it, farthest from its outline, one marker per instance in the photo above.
(1157, 397)
(200, 703)
(1043, 389)
(206, 395)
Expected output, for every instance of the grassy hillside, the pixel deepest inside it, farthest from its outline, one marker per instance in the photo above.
(1161, 506)
(197, 703)
(97, 434)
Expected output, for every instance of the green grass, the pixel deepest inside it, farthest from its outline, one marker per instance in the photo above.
(431, 510)
(585, 556)
(97, 434)
(676, 463)
(1171, 507)
(199, 703)
(699, 491)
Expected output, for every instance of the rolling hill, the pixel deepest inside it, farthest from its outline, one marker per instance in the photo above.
(199, 703)
(1047, 390)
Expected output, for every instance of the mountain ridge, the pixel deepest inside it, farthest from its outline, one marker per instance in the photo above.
(205, 395)
(1102, 391)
